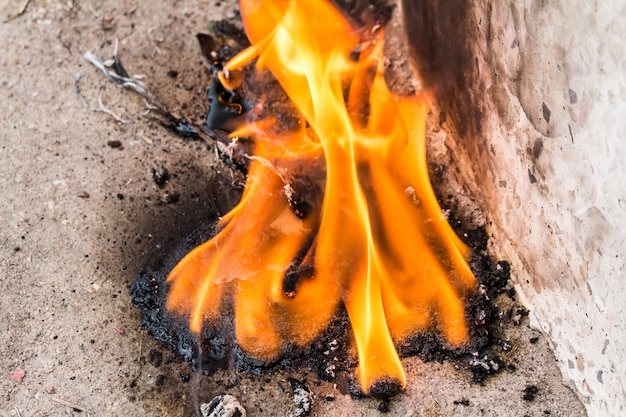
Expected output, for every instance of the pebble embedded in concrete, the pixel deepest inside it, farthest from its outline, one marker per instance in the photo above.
(223, 406)
(303, 400)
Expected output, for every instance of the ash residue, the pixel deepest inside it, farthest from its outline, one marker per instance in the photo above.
(149, 293)
(482, 354)
(302, 399)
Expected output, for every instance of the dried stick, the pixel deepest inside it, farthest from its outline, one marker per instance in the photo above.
(230, 149)
(68, 404)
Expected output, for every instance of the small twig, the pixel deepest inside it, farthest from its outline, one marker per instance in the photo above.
(236, 153)
(66, 45)
(68, 404)
(19, 12)
(75, 81)
(117, 65)
(126, 82)
(102, 108)
(18, 412)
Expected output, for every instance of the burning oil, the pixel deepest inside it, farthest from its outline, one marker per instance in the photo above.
(331, 354)
(330, 357)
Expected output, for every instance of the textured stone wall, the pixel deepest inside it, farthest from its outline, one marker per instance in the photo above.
(535, 92)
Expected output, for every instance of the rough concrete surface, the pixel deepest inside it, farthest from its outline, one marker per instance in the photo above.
(80, 215)
(537, 95)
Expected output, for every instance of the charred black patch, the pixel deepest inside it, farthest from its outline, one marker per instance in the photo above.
(330, 356)
(530, 392)
(160, 176)
(385, 388)
(226, 106)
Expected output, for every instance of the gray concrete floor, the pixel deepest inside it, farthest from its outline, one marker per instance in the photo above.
(79, 218)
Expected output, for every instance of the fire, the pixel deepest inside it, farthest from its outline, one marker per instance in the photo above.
(339, 211)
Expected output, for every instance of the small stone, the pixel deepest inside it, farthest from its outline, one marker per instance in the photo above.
(50, 390)
(462, 401)
(17, 374)
(303, 400)
(223, 406)
(83, 194)
(107, 22)
(160, 176)
(172, 198)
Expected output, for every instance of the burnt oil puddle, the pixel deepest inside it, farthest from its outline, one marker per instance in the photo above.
(149, 293)
(331, 356)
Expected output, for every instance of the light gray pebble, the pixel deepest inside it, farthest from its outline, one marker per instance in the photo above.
(223, 406)
(303, 400)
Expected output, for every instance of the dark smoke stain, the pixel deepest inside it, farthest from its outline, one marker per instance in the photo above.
(438, 33)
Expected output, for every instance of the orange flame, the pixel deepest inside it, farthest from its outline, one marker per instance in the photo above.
(379, 243)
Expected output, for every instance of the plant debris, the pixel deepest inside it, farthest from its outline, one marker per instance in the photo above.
(225, 105)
